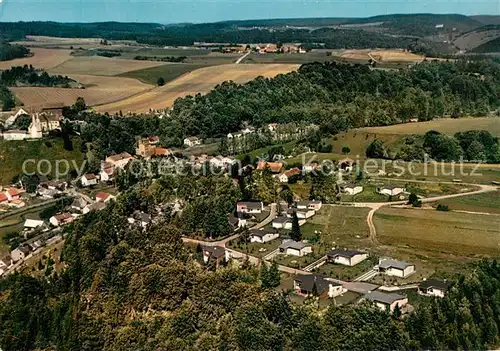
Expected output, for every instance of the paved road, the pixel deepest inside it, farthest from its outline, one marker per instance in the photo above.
(242, 58)
(374, 206)
(272, 215)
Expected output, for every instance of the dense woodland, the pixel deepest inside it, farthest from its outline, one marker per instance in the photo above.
(129, 289)
(10, 52)
(474, 145)
(29, 75)
(339, 96)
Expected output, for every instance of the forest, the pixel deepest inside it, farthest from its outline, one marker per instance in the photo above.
(338, 97)
(10, 52)
(28, 75)
(473, 145)
(124, 288)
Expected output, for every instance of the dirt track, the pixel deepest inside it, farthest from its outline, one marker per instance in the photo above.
(199, 81)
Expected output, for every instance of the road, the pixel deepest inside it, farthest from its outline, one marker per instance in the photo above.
(238, 61)
(374, 206)
(272, 215)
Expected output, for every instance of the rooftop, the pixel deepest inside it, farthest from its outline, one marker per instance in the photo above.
(435, 283)
(291, 244)
(390, 263)
(344, 253)
(383, 297)
(307, 281)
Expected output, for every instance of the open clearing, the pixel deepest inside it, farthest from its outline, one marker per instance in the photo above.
(99, 90)
(382, 55)
(449, 232)
(101, 66)
(444, 125)
(199, 81)
(487, 203)
(42, 58)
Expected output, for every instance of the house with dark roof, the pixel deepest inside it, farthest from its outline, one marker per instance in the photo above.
(262, 236)
(346, 257)
(295, 248)
(217, 253)
(20, 253)
(61, 219)
(249, 207)
(434, 287)
(78, 204)
(88, 179)
(303, 284)
(352, 189)
(395, 268)
(384, 301)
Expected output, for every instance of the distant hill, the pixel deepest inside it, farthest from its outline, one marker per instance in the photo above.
(486, 19)
(490, 46)
(473, 39)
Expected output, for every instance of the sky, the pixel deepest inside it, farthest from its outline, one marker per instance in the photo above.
(197, 11)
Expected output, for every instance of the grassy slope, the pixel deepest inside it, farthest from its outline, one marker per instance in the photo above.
(457, 233)
(487, 202)
(14, 153)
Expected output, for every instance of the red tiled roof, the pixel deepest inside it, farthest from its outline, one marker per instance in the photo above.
(274, 166)
(161, 151)
(13, 192)
(102, 196)
(89, 176)
(3, 197)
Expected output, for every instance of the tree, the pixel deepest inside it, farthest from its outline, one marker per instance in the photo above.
(273, 276)
(295, 234)
(314, 291)
(346, 150)
(376, 150)
(160, 81)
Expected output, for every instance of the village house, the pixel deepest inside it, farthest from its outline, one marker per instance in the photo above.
(14, 134)
(12, 194)
(237, 221)
(6, 262)
(301, 214)
(61, 219)
(346, 164)
(352, 189)
(303, 284)
(192, 141)
(120, 160)
(141, 218)
(285, 223)
(262, 236)
(54, 184)
(97, 206)
(88, 179)
(103, 197)
(216, 253)
(310, 167)
(385, 301)
(3, 198)
(78, 204)
(308, 205)
(20, 253)
(395, 268)
(12, 119)
(275, 167)
(250, 207)
(434, 287)
(47, 193)
(107, 173)
(288, 175)
(146, 148)
(346, 257)
(391, 190)
(295, 248)
(31, 224)
(221, 161)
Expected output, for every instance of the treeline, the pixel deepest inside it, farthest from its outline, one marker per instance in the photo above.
(225, 32)
(128, 288)
(28, 75)
(161, 58)
(474, 145)
(339, 96)
(10, 52)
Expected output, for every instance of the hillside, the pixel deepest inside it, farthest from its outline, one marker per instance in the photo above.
(487, 19)
(490, 46)
(473, 39)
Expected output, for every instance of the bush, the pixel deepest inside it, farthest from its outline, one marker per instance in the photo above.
(443, 208)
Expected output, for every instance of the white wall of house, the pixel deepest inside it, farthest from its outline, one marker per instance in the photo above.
(335, 290)
(15, 136)
(392, 192)
(353, 191)
(17, 255)
(432, 292)
(88, 182)
(264, 239)
(396, 272)
(294, 252)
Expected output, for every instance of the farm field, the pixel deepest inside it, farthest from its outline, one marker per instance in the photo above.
(42, 58)
(445, 125)
(382, 56)
(287, 58)
(99, 90)
(199, 81)
(168, 71)
(101, 66)
(448, 232)
(487, 203)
